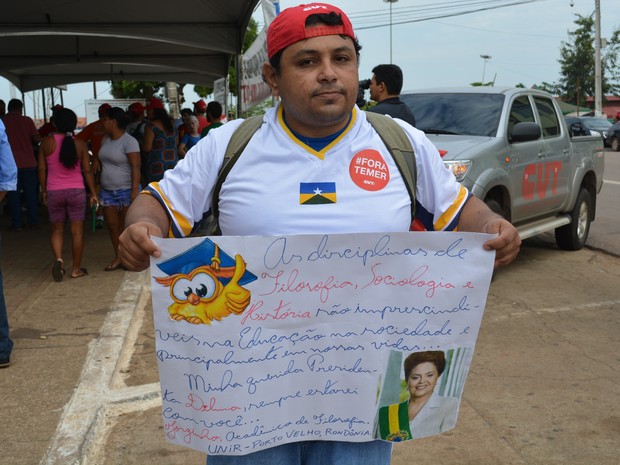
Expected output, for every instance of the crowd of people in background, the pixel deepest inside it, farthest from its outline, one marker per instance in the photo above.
(99, 169)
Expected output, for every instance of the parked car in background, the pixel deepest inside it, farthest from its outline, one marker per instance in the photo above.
(588, 126)
(613, 136)
(512, 149)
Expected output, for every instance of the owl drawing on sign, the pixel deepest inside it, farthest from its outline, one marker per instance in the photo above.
(207, 292)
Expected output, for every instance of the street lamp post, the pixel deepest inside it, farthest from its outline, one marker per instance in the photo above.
(484, 67)
(390, 2)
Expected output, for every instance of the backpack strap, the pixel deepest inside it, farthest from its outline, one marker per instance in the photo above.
(236, 145)
(399, 145)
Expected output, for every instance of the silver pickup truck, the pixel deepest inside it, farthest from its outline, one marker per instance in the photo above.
(511, 147)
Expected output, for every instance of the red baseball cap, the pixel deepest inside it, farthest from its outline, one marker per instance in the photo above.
(103, 108)
(154, 102)
(290, 26)
(136, 108)
(201, 105)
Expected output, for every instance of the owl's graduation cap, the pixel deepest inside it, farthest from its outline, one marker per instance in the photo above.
(202, 255)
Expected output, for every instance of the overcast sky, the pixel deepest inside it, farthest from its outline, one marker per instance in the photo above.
(522, 39)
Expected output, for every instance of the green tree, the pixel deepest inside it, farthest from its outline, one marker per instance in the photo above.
(139, 90)
(576, 83)
(553, 88)
(611, 58)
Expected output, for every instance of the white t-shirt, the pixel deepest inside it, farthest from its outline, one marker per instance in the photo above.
(115, 167)
(279, 185)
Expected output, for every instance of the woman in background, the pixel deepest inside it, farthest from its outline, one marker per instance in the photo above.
(160, 141)
(64, 164)
(120, 175)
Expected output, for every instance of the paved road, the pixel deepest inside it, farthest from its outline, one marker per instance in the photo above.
(605, 231)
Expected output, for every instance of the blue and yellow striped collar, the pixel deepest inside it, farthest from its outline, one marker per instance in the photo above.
(321, 153)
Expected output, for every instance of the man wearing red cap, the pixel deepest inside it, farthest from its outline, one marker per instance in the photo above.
(135, 111)
(200, 111)
(314, 135)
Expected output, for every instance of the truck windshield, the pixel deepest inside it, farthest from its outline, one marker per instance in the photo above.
(464, 114)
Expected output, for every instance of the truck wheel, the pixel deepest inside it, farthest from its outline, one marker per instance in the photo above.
(573, 236)
(495, 207)
(615, 144)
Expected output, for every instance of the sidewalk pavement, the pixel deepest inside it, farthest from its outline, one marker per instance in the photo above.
(83, 386)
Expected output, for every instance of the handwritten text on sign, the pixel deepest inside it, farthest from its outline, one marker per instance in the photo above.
(268, 340)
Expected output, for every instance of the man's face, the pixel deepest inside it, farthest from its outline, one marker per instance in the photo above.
(317, 83)
(374, 89)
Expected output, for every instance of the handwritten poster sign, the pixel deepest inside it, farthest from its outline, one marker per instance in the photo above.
(267, 340)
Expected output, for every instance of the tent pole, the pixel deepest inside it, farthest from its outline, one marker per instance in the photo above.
(238, 73)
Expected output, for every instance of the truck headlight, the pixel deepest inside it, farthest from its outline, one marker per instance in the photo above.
(459, 168)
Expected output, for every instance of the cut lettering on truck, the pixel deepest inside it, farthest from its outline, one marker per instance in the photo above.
(538, 176)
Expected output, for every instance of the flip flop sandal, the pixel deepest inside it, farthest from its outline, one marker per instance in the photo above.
(83, 272)
(58, 271)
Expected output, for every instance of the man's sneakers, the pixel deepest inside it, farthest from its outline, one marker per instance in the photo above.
(5, 362)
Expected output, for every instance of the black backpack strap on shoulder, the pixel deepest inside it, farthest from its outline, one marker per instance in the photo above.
(399, 145)
(236, 145)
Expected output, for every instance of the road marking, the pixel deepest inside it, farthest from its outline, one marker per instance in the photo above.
(567, 308)
(101, 395)
(606, 181)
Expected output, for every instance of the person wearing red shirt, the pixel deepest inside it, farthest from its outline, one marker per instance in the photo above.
(93, 135)
(200, 110)
(23, 138)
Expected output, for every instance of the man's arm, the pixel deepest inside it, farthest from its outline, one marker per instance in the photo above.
(477, 217)
(145, 218)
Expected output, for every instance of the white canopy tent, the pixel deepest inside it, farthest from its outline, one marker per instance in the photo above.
(46, 43)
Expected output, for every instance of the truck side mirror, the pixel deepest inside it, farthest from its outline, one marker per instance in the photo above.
(525, 132)
(578, 130)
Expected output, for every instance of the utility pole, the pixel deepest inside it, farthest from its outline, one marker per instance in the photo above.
(173, 99)
(390, 2)
(598, 90)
